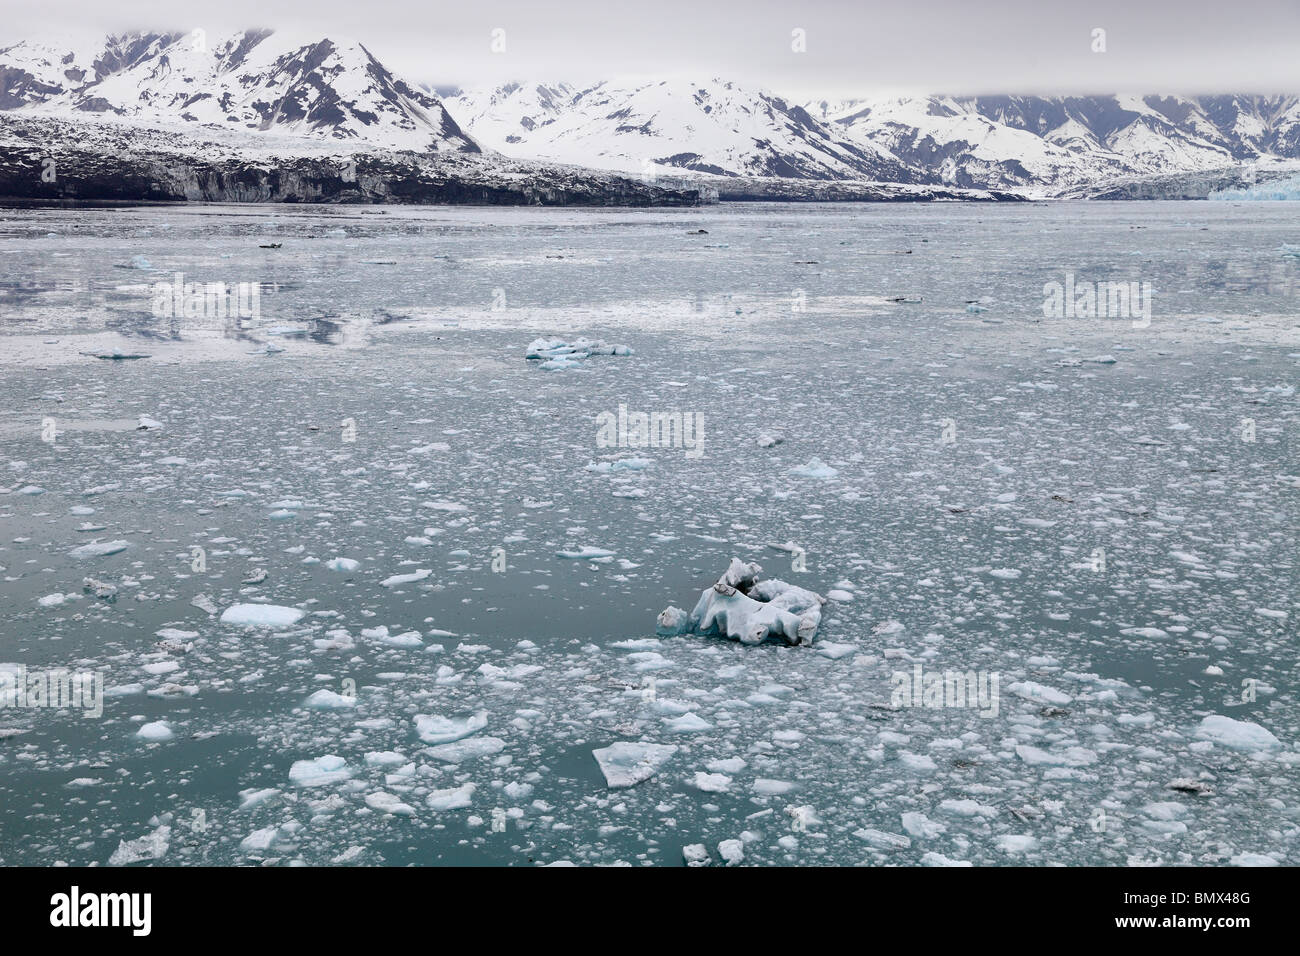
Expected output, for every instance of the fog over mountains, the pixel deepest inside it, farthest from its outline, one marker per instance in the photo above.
(306, 94)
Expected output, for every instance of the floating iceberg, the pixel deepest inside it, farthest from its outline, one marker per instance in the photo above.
(556, 354)
(99, 549)
(748, 610)
(627, 763)
(1237, 734)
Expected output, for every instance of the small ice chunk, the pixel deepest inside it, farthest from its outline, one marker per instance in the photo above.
(260, 615)
(411, 578)
(585, 553)
(444, 730)
(921, 826)
(156, 730)
(319, 772)
(99, 549)
(453, 798)
(259, 841)
(696, 854)
(387, 803)
(384, 758)
(328, 700)
(687, 724)
(733, 851)
(711, 782)
(815, 468)
(463, 750)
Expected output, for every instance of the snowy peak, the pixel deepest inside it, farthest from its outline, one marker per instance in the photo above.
(255, 80)
(1034, 140)
(714, 127)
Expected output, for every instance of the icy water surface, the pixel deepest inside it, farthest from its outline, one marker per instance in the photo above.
(1099, 514)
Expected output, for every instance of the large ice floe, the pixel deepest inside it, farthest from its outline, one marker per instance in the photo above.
(556, 354)
(749, 610)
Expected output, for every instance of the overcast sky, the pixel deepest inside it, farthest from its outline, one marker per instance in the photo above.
(852, 46)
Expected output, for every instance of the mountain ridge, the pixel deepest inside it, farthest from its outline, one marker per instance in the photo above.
(275, 91)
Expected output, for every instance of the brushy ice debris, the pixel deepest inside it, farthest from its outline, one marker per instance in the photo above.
(261, 615)
(259, 841)
(748, 610)
(1015, 843)
(249, 799)
(1069, 757)
(463, 750)
(99, 549)
(622, 464)
(384, 758)
(1237, 734)
(571, 353)
(921, 826)
(882, 840)
(687, 724)
(319, 772)
(815, 468)
(1041, 693)
(151, 846)
(443, 730)
(626, 763)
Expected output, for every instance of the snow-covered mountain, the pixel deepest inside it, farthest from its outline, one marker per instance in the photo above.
(299, 94)
(1058, 141)
(713, 127)
(257, 80)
